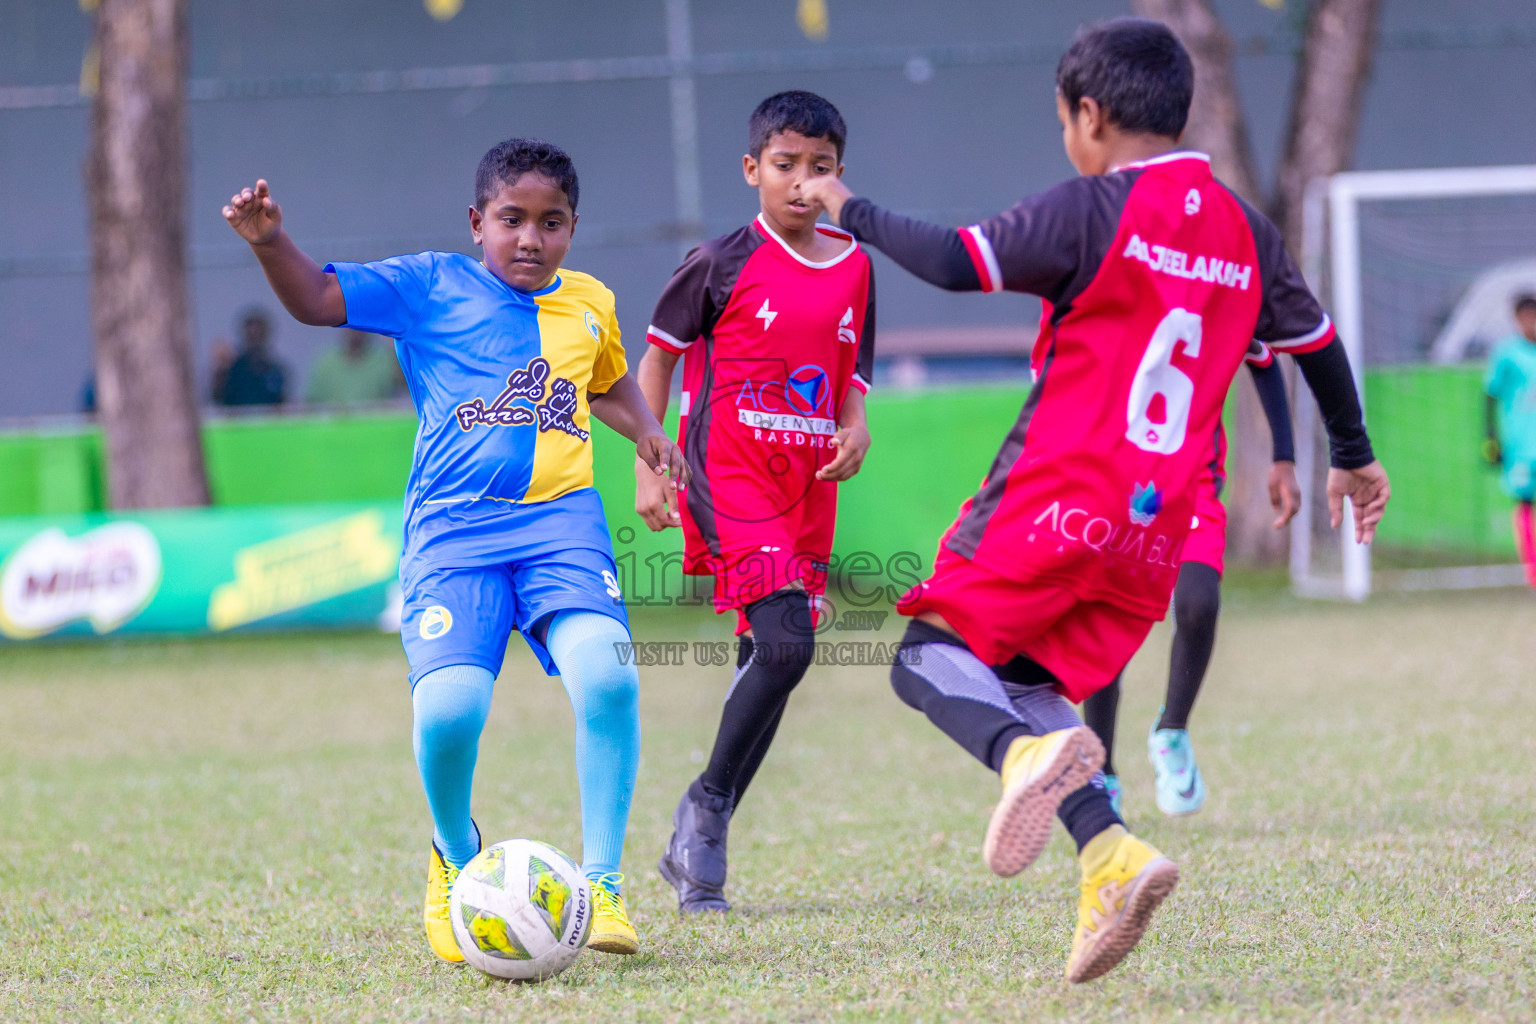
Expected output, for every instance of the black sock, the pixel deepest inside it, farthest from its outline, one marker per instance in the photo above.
(754, 759)
(1099, 712)
(1088, 812)
(782, 649)
(1196, 606)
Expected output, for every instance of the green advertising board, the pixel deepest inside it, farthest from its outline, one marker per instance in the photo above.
(200, 570)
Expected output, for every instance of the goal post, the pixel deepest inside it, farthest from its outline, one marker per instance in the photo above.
(1418, 268)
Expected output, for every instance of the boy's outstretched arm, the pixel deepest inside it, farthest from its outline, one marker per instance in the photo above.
(1284, 491)
(656, 498)
(1354, 472)
(935, 254)
(308, 293)
(623, 407)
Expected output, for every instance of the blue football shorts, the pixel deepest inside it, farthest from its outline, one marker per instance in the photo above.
(465, 616)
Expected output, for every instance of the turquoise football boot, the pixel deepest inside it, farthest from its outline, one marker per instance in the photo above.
(1180, 787)
(1112, 787)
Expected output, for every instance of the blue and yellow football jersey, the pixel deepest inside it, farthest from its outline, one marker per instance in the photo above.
(500, 379)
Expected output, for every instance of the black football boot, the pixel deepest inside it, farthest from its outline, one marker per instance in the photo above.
(694, 862)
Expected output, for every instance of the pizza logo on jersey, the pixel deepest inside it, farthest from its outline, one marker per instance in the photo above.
(1192, 202)
(845, 328)
(1146, 503)
(806, 389)
(557, 413)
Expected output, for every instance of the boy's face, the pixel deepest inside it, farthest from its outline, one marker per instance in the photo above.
(525, 230)
(788, 160)
(1526, 318)
(1082, 134)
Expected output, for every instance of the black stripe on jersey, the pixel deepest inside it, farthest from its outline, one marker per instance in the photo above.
(967, 535)
(1215, 463)
(700, 498)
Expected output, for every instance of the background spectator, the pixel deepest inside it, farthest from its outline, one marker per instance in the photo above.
(356, 370)
(252, 376)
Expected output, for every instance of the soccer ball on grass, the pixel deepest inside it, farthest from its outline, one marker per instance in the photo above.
(522, 910)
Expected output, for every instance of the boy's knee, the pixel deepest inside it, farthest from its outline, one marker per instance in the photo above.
(451, 705)
(612, 689)
(1197, 598)
(609, 683)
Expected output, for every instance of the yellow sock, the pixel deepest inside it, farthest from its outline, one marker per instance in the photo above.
(1096, 854)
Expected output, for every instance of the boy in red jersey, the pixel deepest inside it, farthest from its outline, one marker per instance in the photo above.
(1050, 579)
(776, 325)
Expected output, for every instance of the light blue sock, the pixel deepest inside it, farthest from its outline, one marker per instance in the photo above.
(605, 695)
(451, 706)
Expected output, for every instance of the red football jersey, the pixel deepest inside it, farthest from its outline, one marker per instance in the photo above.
(771, 344)
(1159, 280)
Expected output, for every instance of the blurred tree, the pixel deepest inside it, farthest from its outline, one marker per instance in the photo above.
(1337, 43)
(135, 179)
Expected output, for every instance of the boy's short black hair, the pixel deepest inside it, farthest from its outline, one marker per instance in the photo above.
(798, 111)
(1524, 303)
(507, 161)
(1136, 69)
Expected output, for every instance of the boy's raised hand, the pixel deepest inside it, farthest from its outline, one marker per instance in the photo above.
(1284, 492)
(254, 214)
(1367, 489)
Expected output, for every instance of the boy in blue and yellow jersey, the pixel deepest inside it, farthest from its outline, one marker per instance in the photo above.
(506, 359)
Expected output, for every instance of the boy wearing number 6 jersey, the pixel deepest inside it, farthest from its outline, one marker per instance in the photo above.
(1051, 577)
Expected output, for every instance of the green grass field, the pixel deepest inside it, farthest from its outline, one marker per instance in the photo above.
(233, 830)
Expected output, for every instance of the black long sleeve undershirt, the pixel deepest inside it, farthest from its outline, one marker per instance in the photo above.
(1333, 385)
(929, 251)
(1270, 383)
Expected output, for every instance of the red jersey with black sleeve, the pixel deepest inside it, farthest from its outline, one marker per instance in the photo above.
(771, 343)
(1158, 279)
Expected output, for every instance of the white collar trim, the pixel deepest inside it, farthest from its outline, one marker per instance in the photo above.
(1166, 158)
(826, 229)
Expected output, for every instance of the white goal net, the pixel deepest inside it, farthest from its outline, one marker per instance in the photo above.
(1420, 269)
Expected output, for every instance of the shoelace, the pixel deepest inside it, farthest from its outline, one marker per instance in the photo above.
(450, 875)
(605, 896)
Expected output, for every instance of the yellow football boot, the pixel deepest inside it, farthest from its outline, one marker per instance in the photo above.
(1124, 881)
(440, 879)
(611, 930)
(1039, 772)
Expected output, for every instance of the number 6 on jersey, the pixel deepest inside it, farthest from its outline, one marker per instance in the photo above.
(1158, 376)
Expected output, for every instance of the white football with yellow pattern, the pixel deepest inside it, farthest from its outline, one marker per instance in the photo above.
(522, 910)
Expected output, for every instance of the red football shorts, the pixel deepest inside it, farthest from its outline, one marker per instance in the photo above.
(742, 577)
(1207, 542)
(1084, 644)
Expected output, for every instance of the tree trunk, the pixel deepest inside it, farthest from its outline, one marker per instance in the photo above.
(1216, 122)
(135, 179)
(1320, 138)
(1325, 104)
